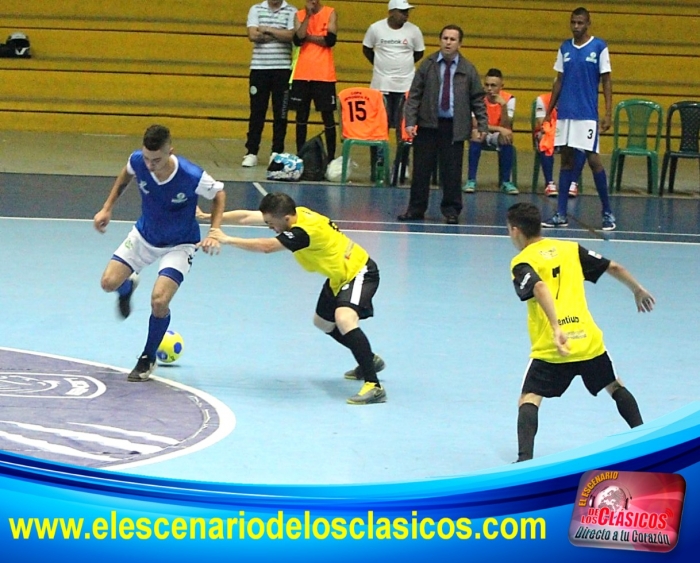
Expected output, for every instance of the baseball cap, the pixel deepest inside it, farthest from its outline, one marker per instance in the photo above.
(400, 5)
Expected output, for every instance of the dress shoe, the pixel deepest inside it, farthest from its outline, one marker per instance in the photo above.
(411, 216)
(452, 220)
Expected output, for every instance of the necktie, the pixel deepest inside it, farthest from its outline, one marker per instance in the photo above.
(446, 88)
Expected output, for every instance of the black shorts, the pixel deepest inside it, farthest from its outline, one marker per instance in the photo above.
(551, 380)
(304, 91)
(357, 294)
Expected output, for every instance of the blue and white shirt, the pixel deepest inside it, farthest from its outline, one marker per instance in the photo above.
(581, 68)
(168, 208)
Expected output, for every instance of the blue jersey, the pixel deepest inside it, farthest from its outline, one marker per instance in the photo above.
(581, 68)
(168, 208)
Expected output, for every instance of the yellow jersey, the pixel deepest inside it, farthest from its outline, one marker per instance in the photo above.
(563, 266)
(319, 246)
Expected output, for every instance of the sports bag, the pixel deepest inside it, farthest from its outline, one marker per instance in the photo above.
(17, 46)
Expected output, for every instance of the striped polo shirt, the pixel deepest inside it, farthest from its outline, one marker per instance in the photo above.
(275, 54)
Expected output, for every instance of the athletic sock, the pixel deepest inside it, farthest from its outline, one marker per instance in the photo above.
(505, 155)
(474, 156)
(156, 330)
(601, 184)
(126, 287)
(331, 142)
(547, 163)
(565, 179)
(360, 347)
(627, 407)
(580, 158)
(338, 337)
(527, 428)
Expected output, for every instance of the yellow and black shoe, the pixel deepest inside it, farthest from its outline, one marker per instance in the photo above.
(356, 373)
(370, 393)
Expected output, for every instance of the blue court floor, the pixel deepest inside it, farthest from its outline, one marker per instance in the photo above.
(448, 324)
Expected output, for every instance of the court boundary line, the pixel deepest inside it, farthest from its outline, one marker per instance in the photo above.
(438, 225)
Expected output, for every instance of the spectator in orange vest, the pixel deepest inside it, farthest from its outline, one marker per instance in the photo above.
(313, 75)
(500, 106)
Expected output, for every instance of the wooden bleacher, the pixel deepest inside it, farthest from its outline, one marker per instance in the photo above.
(114, 67)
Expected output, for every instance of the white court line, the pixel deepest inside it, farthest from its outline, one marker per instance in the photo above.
(258, 186)
(418, 233)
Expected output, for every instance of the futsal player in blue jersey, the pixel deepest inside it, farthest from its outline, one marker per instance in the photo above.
(582, 64)
(167, 231)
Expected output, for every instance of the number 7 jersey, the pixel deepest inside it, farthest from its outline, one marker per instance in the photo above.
(563, 266)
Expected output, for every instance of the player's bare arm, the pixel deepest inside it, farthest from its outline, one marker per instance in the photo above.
(556, 91)
(234, 217)
(104, 215)
(606, 122)
(211, 245)
(644, 300)
(322, 39)
(274, 33)
(264, 245)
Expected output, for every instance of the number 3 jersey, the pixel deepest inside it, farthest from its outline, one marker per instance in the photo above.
(563, 266)
(168, 208)
(319, 246)
(581, 68)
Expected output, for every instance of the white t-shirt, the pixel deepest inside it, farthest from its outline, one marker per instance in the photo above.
(393, 55)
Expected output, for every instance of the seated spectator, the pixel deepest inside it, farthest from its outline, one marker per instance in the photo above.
(500, 106)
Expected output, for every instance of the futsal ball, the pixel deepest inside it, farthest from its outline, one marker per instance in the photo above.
(170, 348)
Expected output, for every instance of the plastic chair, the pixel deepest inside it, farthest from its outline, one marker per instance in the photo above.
(643, 117)
(363, 122)
(689, 146)
(536, 164)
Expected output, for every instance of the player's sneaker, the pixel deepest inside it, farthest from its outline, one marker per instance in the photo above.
(556, 220)
(469, 187)
(356, 374)
(249, 161)
(608, 222)
(124, 301)
(551, 190)
(370, 393)
(143, 370)
(509, 188)
(573, 189)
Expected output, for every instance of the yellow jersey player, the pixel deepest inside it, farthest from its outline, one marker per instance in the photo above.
(548, 274)
(352, 278)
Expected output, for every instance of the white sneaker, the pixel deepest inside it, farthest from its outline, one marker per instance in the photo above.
(249, 161)
(272, 157)
(551, 190)
(573, 189)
